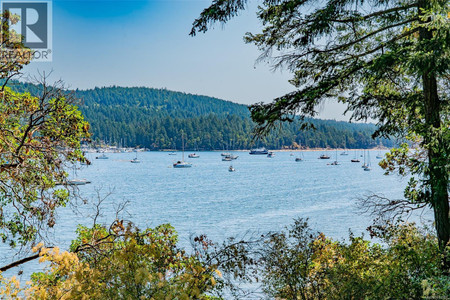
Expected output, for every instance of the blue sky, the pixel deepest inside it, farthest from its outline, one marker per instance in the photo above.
(146, 43)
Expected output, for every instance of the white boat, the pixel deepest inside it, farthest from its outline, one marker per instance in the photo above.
(229, 157)
(81, 181)
(172, 153)
(379, 155)
(345, 153)
(366, 166)
(231, 169)
(259, 151)
(225, 154)
(181, 163)
(300, 157)
(135, 161)
(103, 156)
(193, 155)
(335, 163)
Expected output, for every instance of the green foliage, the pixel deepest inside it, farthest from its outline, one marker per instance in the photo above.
(385, 60)
(121, 262)
(154, 119)
(38, 135)
(301, 264)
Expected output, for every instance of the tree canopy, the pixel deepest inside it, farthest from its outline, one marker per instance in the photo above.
(386, 60)
(39, 134)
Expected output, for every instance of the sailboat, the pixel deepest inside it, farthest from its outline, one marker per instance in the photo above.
(367, 167)
(299, 158)
(194, 155)
(364, 165)
(181, 163)
(324, 156)
(345, 152)
(103, 156)
(173, 152)
(335, 163)
(355, 159)
(379, 156)
(135, 160)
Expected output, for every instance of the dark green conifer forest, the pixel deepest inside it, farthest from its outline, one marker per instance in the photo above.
(155, 119)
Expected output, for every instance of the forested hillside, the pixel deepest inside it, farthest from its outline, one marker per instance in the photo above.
(155, 119)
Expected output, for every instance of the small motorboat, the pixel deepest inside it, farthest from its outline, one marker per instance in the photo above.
(355, 160)
(231, 169)
(193, 155)
(298, 159)
(103, 156)
(227, 158)
(323, 156)
(172, 153)
(270, 154)
(78, 181)
(135, 161)
(259, 151)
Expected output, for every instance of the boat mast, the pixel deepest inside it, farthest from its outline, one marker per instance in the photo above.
(182, 144)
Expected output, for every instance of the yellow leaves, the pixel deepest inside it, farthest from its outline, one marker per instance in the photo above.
(218, 272)
(37, 247)
(9, 288)
(166, 273)
(142, 275)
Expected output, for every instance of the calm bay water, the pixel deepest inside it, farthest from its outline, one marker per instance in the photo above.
(264, 194)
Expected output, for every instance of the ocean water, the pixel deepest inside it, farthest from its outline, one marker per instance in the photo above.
(263, 194)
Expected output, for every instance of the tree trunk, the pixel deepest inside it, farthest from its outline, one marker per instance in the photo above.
(437, 175)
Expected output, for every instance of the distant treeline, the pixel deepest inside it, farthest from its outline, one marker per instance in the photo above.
(156, 119)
